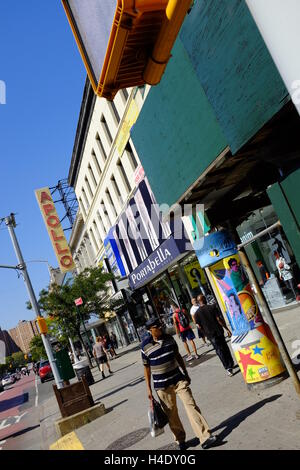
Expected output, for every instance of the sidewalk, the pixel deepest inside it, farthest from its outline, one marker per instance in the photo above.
(268, 419)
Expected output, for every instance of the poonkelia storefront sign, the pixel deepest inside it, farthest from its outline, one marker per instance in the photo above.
(55, 231)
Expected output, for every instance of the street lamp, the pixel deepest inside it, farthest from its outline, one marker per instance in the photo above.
(125, 43)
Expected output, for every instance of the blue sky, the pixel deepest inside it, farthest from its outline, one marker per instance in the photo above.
(44, 77)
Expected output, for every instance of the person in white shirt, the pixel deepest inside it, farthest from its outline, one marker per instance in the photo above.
(194, 308)
(285, 272)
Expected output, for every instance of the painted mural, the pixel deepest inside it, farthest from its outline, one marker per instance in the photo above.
(252, 342)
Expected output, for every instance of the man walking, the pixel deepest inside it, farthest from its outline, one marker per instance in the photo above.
(210, 321)
(193, 310)
(182, 326)
(100, 354)
(161, 358)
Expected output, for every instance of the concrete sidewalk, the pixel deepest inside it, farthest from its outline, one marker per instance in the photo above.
(269, 419)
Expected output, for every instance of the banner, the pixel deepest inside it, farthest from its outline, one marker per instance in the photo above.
(55, 231)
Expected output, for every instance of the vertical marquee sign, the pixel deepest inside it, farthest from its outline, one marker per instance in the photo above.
(55, 231)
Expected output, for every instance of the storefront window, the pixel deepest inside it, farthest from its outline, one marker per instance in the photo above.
(271, 258)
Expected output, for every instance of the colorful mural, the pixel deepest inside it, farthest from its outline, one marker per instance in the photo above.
(252, 342)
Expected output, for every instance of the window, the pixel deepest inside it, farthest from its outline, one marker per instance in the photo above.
(105, 213)
(85, 198)
(100, 147)
(106, 129)
(92, 174)
(131, 156)
(116, 188)
(94, 239)
(101, 223)
(82, 207)
(114, 111)
(109, 198)
(123, 173)
(96, 163)
(125, 93)
(89, 187)
(97, 231)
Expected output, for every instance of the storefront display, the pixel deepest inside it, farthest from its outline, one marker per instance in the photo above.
(261, 253)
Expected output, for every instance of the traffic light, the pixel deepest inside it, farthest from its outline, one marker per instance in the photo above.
(42, 325)
(125, 43)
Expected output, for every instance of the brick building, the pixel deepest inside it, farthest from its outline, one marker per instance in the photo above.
(22, 334)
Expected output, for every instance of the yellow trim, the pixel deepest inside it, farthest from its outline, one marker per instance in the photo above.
(68, 442)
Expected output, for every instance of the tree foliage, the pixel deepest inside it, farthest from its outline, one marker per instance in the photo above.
(58, 302)
(37, 348)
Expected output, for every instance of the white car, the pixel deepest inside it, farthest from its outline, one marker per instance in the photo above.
(8, 379)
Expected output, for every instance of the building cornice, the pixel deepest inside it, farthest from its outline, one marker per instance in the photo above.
(85, 116)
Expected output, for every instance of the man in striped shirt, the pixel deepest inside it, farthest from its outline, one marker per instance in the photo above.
(162, 359)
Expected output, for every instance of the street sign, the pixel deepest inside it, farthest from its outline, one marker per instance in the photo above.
(78, 301)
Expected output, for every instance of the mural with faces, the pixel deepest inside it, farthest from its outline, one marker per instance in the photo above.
(234, 286)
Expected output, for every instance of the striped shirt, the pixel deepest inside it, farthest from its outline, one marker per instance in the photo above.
(160, 356)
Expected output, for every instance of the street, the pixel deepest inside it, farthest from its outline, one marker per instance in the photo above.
(243, 419)
(19, 413)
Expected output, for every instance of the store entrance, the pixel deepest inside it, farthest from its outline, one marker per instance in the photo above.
(271, 258)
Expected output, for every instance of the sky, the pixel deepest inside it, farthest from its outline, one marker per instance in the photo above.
(44, 77)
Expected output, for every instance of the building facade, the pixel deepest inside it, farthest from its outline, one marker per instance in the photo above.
(221, 130)
(104, 172)
(23, 333)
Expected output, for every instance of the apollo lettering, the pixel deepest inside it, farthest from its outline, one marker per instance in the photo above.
(55, 231)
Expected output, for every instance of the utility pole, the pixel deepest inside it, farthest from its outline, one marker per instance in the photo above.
(10, 222)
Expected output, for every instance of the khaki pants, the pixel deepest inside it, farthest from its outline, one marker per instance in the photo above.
(168, 402)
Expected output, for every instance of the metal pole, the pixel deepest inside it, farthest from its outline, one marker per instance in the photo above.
(260, 234)
(10, 225)
(271, 322)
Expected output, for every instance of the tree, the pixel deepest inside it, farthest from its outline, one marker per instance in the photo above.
(58, 302)
(18, 359)
(37, 348)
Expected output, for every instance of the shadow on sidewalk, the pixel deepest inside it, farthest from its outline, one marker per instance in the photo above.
(23, 431)
(234, 421)
(111, 408)
(133, 383)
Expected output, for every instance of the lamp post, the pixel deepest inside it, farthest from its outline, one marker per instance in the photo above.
(10, 223)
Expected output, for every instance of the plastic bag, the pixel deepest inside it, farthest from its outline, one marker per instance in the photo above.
(160, 417)
(154, 430)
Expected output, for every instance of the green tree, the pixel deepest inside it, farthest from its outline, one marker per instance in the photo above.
(37, 349)
(18, 359)
(92, 285)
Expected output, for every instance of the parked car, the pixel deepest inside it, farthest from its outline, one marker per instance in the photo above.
(8, 379)
(45, 371)
(17, 375)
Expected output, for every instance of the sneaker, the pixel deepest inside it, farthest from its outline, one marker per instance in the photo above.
(182, 446)
(196, 356)
(229, 372)
(209, 442)
(189, 358)
(103, 375)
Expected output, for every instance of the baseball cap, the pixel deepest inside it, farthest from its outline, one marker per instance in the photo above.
(153, 321)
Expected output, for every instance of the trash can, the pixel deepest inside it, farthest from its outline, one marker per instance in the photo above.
(64, 365)
(82, 368)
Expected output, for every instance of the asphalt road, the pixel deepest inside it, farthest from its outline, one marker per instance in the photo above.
(19, 413)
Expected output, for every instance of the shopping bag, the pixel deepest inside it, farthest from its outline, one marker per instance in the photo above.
(160, 417)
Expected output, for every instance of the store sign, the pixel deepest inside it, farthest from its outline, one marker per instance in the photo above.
(216, 246)
(55, 231)
(139, 175)
(160, 259)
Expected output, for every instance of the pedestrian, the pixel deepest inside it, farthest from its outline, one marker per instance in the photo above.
(194, 308)
(114, 340)
(209, 319)
(264, 275)
(182, 326)
(162, 360)
(285, 272)
(110, 347)
(100, 354)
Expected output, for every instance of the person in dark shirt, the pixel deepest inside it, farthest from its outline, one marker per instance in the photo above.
(210, 321)
(163, 361)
